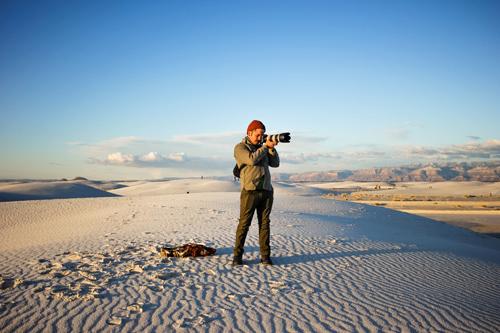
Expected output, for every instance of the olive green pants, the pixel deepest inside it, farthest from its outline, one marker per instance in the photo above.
(262, 201)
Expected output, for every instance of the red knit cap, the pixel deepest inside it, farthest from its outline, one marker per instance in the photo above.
(254, 125)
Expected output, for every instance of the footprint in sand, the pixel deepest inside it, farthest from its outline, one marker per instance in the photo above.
(135, 269)
(183, 323)
(156, 288)
(205, 318)
(135, 308)
(61, 274)
(6, 306)
(167, 276)
(9, 283)
(84, 276)
(58, 290)
(114, 321)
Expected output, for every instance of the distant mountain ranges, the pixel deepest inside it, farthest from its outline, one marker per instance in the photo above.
(465, 171)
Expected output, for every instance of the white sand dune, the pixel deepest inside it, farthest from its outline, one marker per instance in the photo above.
(105, 185)
(177, 186)
(351, 185)
(298, 189)
(49, 190)
(92, 265)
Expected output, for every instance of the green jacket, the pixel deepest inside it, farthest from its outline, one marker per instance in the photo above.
(257, 160)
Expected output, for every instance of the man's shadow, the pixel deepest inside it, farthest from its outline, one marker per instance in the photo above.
(312, 257)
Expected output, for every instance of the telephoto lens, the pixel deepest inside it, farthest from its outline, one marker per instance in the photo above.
(282, 137)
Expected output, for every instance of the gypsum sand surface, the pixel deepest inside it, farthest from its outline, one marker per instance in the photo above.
(92, 264)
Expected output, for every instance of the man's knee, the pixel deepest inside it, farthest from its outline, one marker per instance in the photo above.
(265, 221)
(244, 224)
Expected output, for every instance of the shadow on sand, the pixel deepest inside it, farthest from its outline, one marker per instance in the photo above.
(312, 257)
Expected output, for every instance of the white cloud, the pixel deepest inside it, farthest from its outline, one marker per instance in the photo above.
(151, 157)
(178, 160)
(377, 155)
(179, 157)
(125, 143)
(476, 150)
(119, 158)
(214, 152)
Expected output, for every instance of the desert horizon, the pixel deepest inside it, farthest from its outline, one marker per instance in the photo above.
(485, 171)
(471, 205)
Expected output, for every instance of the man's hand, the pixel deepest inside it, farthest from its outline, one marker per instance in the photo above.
(270, 144)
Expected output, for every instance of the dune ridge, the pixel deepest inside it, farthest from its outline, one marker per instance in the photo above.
(50, 190)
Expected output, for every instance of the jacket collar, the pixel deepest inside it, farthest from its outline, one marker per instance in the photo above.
(247, 142)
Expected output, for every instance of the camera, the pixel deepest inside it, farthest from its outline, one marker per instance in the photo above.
(282, 137)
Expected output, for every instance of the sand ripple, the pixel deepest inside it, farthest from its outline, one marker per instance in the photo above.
(338, 267)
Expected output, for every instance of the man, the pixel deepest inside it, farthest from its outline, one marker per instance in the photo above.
(254, 158)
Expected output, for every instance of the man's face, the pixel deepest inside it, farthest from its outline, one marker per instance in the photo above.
(255, 136)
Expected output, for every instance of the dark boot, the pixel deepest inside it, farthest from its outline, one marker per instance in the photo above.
(237, 261)
(266, 261)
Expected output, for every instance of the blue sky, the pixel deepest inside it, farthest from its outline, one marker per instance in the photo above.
(128, 89)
